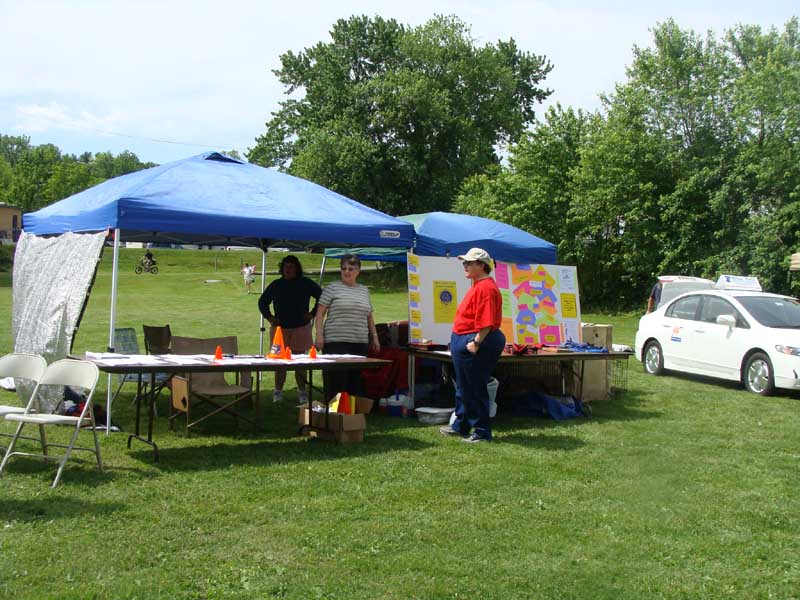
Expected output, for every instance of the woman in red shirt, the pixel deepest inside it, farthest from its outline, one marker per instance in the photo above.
(475, 345)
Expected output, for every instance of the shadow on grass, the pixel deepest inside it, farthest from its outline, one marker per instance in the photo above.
(46, 509)
(629, 406)
(77, 471)
(725, 384)
(210, 455)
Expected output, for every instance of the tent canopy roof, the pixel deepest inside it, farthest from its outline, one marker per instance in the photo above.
(452, 234)
(214, 199)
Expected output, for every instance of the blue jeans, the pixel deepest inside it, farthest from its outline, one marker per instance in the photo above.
(473, 372)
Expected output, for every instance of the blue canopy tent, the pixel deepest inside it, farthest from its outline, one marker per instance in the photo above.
(451, 234)
(214, 199)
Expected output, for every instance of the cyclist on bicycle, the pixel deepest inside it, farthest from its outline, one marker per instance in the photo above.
(147, 259)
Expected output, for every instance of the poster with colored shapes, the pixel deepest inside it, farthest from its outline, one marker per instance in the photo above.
(541, 303)
(545, 307)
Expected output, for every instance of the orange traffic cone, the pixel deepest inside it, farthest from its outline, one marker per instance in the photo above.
(218, 353)
(276, 351)
(312, 353)
(287, 353)
(344, 404)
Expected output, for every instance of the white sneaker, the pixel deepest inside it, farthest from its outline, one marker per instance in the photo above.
(277, 395)
(302, 396)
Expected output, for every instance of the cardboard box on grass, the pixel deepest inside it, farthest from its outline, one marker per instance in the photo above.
(339, 427)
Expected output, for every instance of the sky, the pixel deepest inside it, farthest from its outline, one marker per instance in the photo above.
(167, 79)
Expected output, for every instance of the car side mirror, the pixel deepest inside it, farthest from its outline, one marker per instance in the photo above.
(728, 320)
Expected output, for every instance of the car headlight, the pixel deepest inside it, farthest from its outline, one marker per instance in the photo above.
(788, 350)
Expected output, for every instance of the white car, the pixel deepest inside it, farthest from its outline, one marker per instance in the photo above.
(746, 336)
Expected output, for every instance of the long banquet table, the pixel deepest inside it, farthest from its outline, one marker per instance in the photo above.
(174, 364)
(561, 359)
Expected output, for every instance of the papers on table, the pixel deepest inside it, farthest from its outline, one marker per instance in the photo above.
(112, 359)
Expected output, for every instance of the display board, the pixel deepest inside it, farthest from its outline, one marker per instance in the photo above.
(541, 303)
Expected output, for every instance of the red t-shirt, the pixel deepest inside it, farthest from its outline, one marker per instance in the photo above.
(481, 307)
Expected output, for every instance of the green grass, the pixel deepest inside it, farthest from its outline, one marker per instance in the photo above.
(682, 488)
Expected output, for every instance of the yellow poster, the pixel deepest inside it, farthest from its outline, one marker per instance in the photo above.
(416, 317)
(413, 262)
(415, 335)
(413, 299)
(413, 281)
(569, 306)
(445, 301)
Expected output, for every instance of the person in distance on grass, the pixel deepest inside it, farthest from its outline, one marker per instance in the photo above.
(290, 296)
(475, 345)
(349, 327)
(249, 274)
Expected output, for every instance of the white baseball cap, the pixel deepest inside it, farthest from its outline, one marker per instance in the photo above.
(478, 254)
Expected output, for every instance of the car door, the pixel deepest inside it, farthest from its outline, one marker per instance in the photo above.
(676, 332)
(716, 349)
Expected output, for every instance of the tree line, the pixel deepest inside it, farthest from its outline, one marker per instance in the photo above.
(33, 177)
(691, 166)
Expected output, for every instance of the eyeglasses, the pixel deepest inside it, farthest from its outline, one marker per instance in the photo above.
(349, 268)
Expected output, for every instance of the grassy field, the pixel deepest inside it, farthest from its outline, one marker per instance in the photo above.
(681, 488)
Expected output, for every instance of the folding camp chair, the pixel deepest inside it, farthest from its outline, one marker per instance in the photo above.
(125, 342)
(18, 365)
(157, 339)
(74, 373)
(189, 393)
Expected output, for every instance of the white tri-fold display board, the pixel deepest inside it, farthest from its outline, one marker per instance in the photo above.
(541, 303)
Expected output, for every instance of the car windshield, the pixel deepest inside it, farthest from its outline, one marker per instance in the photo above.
(773, 311)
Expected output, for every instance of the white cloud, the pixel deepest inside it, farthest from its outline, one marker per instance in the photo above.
(38, 118)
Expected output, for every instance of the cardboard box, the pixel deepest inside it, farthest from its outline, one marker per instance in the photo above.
(339, 427)
(596, 374)
(597, 334)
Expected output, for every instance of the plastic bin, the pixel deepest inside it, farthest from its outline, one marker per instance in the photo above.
(491, 387)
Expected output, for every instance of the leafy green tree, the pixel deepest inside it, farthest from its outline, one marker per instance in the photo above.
(534, 192)
(692, 167)
(398, 117)
(14, 147)
(69, 177)
(27, 188)
(767, 168)
(32, 177)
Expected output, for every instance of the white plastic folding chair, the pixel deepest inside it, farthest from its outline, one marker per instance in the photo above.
(20, 365)
(67, 372)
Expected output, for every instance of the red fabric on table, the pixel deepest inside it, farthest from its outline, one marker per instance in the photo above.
(382, 382)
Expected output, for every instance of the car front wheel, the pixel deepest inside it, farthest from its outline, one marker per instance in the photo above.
(757, 376)
(653, 359)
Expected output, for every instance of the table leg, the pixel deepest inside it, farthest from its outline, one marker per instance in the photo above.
(151, 402)
(258, 401)
(412, 376)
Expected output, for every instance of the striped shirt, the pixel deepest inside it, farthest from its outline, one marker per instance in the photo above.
(348, 309)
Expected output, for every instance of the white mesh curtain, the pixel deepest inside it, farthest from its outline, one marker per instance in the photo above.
(51, 279)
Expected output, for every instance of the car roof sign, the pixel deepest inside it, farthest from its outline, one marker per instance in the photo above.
(738, 282)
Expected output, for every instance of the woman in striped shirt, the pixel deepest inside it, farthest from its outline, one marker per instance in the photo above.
(345, 324)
